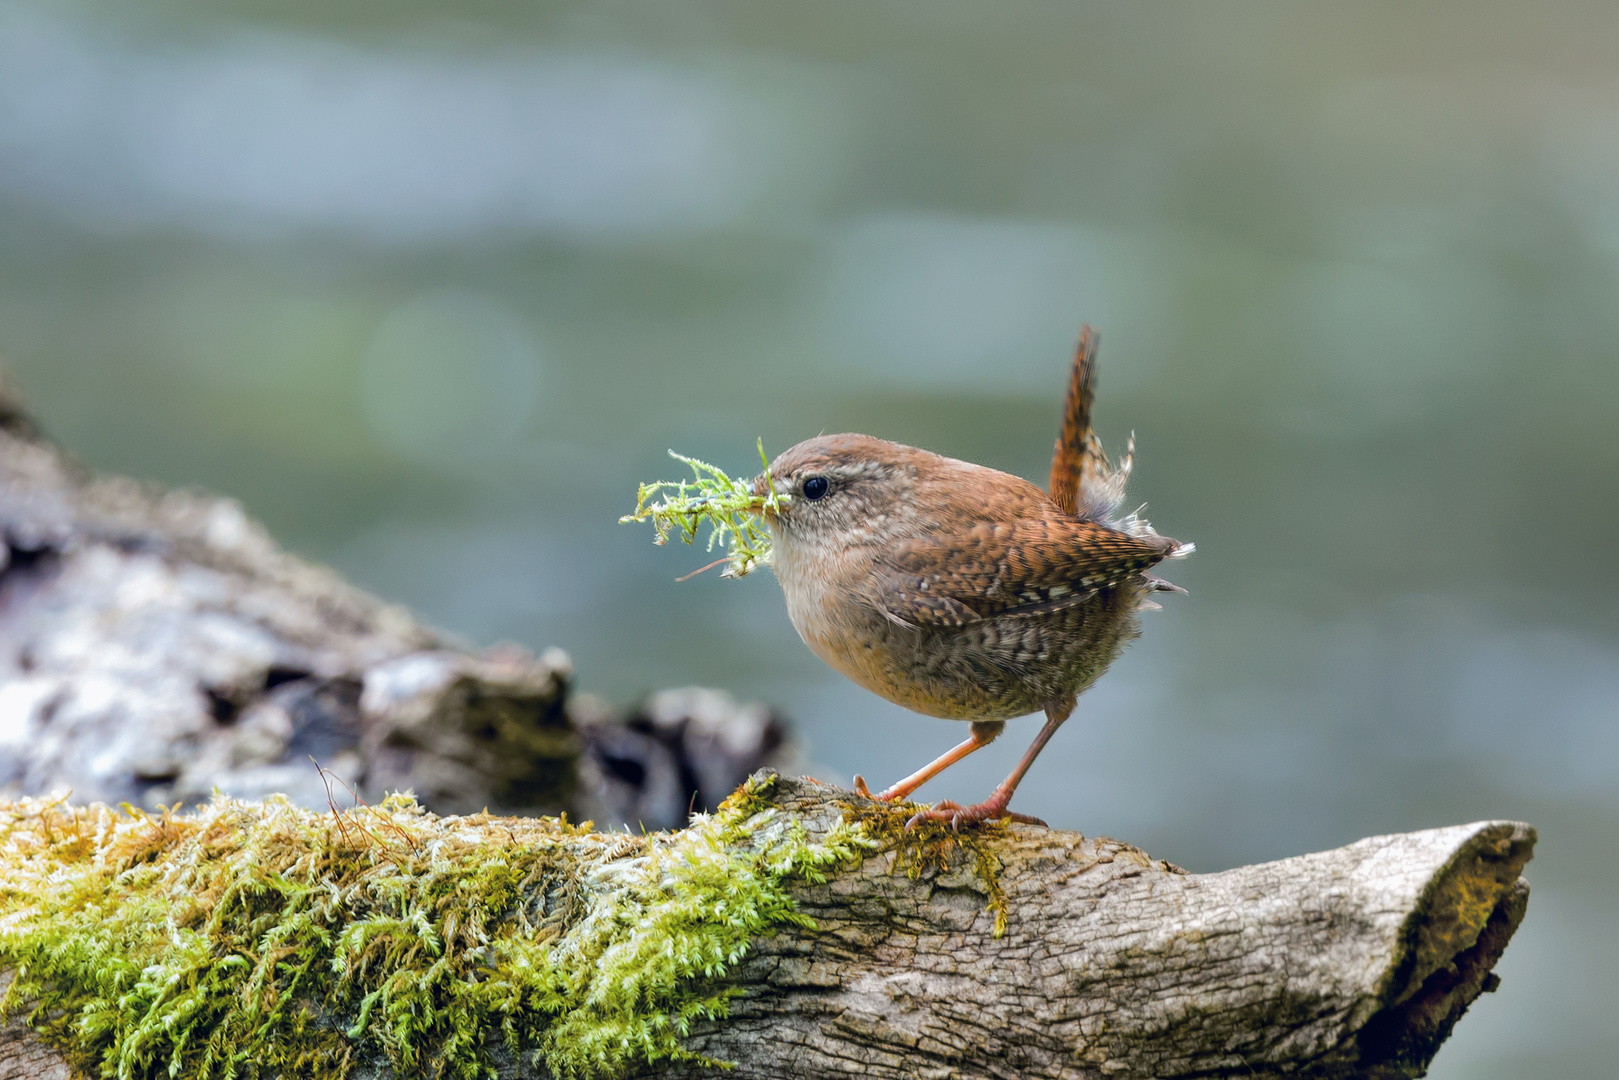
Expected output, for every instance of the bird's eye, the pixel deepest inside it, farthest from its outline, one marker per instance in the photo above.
(815, 488)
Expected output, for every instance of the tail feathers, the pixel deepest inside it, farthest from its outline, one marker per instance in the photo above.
(1158, 585)
(1103, 490)
(1084, 483)
(1077, 458)
(1096, 478)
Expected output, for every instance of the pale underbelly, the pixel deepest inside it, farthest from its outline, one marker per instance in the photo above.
(991, 670)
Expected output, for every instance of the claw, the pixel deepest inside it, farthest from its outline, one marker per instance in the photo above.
(939, 811)
(958, 815)
(861, 788)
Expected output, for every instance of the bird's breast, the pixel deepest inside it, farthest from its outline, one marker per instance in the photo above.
(817, 584)
(825, 592)
(996, 668)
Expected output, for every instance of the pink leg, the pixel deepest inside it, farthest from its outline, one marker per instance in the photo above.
(995, 806)
(983, 733)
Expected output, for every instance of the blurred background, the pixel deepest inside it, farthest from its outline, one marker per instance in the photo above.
(431, 287)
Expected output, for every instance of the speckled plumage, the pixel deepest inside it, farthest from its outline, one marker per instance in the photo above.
(958, 590)
(982, 610)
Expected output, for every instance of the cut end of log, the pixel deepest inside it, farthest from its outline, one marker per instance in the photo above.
(1453, 938)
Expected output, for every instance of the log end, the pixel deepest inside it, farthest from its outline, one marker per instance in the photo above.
(1449, 946)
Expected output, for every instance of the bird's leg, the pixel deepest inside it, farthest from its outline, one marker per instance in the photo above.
(995, 806)
(983, 733)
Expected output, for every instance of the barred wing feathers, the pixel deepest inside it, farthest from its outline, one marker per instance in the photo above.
(1018, 568)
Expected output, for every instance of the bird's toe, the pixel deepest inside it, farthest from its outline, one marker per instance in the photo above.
(957, 815)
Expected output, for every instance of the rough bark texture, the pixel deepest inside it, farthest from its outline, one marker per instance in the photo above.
(157, 645)
(23, 1057)
(1354, 962)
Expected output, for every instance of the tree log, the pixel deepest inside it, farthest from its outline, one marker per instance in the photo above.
(158, 645)
(1354, 962)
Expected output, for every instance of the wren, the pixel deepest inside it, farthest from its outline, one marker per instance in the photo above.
(961, 591)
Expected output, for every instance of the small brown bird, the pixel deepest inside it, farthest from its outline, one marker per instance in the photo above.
(961, 591)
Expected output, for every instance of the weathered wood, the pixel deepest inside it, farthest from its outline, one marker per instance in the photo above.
(1354, 962)
(155, 646)
(22, 1056)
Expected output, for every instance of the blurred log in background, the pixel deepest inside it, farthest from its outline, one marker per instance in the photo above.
(156, 646)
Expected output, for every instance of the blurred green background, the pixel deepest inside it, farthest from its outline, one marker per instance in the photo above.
(430, 287)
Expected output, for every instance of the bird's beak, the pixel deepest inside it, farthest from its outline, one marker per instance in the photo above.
(761, 489)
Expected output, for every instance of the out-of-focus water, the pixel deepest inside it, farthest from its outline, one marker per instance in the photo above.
(431, 289)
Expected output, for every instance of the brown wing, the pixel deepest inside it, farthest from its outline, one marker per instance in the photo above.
(1018, 568)
(1078, 456)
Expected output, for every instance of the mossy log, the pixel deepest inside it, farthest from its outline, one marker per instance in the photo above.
(799, 932)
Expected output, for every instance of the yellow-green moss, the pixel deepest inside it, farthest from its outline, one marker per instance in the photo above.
(933, 846)
(727, 505)
(230, 942)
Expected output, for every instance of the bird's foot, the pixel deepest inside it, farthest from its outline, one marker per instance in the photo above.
(860, 788)
(991, 809)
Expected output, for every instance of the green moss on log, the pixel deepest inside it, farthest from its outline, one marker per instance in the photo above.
(249, 940)
(933, 847)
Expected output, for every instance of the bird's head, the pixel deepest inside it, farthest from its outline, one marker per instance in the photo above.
(842, 489)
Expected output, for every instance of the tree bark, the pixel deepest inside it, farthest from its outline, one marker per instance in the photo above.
(156, 646)
(1354, 962)
(22, 1055)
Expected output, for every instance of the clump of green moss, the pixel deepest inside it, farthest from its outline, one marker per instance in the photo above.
(726, 505)
(249, 940)
(933, 846)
